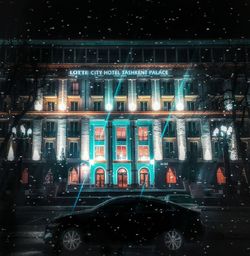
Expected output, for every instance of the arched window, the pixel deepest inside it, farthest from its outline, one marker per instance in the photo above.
(122, 178)
(73, 176)
(171, 176)
(221, 179)
(144, 178)
(25, 176)
(100, 178)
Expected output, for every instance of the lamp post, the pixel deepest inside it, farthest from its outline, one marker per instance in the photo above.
(224, 134)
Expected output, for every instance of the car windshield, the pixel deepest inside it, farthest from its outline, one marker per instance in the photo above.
(181, 199)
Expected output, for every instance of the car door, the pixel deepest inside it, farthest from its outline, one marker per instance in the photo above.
(151, 217)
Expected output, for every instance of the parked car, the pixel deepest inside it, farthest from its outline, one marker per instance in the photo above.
(184, 200)
(126, 220)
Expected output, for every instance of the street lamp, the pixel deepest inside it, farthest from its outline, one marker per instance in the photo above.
(224, 134)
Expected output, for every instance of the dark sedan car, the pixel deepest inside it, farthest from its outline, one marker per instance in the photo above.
(126, 219)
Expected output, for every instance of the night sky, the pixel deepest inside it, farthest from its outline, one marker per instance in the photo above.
(124, 19)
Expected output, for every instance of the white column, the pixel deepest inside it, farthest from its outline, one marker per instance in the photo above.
(157, 140)
(11, 154)
(132, 97)
(181, 138)
(109, 98)
(37, 140)
(228, 103)
(206, 140)
(233, 146)
(62, 95)
(38, 104)
(61, 139)
(85, 139)
(156, 97)
(179, 97)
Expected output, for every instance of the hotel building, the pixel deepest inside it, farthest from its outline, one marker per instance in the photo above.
(128, 114)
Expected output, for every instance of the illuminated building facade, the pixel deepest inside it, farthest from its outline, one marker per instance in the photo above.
(128, 114)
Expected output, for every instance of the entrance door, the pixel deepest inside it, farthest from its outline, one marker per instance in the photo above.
(144, 178)
(100, 178)
(122, 178)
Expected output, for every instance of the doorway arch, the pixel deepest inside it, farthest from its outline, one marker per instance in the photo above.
(100, 178)
(144, 177)
(122, 178)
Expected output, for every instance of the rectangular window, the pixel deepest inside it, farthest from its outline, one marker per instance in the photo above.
(171, 55)
(69, 55)
(137, 55)
(97, 88)
(120, 106)
(143, 105)
(217, 150)
(143, 133)
(167, 105)
(74, 106)
(121, 133)
(182, 55)
(193, 129)
(50, 87)
(80, 55)
(73, 150)
(148, 55)
(159, 55)
(97, 105)
(74, 88)
(121, 153)
(167, 87)
(143, 153)
(170, 129)
(143, 87)
(49, 150)
(91, 56)
(51, 106)
(191, 105)
(103, 55)
(170, 150)
(121, 88)
(114, 55)
(99, 133)
(50, 129)
(99, 153)
(74, 129)
(193, 147)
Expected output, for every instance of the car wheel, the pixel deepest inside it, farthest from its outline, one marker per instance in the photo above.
(172, 240)
(71, 240)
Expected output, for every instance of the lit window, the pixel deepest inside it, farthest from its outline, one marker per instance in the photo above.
(75, 88)
(221, 179)
(73, 176)
(121, 152)
(25, 176)
(143, 153)
(171, 176)
(99, 133)
(121, 133)
(99, 153)
(143, 133)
